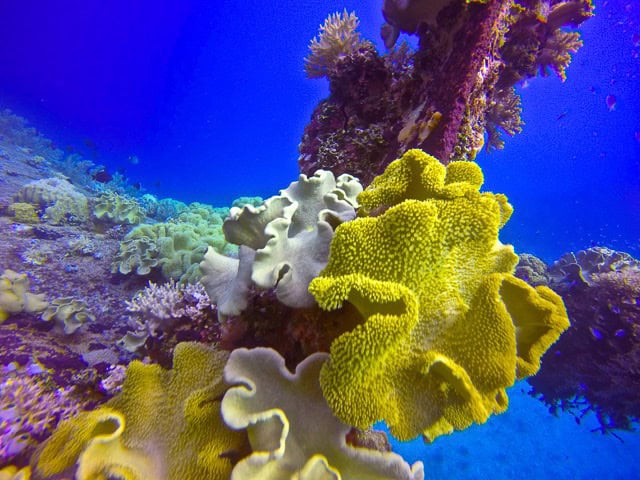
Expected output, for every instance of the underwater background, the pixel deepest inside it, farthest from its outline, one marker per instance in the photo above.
(208, 101)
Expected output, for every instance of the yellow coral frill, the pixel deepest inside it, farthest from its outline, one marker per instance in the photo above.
(165, 424)
(445, 326)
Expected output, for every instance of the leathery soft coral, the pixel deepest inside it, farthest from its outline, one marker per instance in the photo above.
(284, 243)
(165, 424)
(445, 326)
(292, 431)
(15, 296)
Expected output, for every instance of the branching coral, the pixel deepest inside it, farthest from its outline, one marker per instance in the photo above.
(292, 431)
(556, 53)
(337, 39)
(502, 116)
(535, 42)
(445, 327)
(158, 308)
(29, 409)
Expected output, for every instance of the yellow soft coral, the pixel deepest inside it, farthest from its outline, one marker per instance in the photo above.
(446, 327)
(165, 424)
(12, 473)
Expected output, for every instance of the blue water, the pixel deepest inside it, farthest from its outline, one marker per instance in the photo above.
(212, 98)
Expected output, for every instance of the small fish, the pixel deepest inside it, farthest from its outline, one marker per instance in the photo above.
(635, 38)
(90, 143)
(562, 115)
(611, 102)
(137, 185)
(134, 160)
(637, 136)
(102, 176)
(597, 334)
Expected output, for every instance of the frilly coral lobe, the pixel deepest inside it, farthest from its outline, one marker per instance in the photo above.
(445, 326)
(292, 431)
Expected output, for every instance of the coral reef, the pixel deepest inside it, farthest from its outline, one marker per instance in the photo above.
(595, 366)
(290, 427)
(16, 130)
(445, 97)
(398, 303)
(445, 326)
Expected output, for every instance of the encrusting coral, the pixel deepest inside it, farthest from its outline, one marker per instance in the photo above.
(165, 424)
(445, 326)
(292, 431)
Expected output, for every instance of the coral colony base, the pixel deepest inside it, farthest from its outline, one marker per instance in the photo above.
(265, 340)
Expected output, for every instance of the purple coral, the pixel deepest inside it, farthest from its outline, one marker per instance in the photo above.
(29, 410)
(595, 366)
